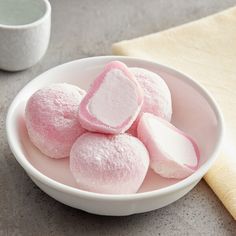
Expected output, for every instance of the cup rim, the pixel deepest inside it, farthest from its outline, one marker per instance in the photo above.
(32, 24)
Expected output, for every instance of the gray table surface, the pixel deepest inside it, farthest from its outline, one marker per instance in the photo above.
(88, 28)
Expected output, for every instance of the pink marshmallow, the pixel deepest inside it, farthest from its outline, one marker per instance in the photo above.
(51, 117)
(112, 164)
(157, 96)
(173, 154)
(113, 101)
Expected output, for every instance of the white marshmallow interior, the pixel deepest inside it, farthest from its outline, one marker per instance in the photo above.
(115, 100)
(175, 145)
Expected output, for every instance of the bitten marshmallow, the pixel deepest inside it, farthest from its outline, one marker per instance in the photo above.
(113, 101)
(173, 154)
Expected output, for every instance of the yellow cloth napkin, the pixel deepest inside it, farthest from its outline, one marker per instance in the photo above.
(206, 51)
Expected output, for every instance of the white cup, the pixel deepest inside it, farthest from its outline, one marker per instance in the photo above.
(24, 32)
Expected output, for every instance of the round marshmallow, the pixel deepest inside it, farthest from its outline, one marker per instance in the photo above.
(157, 96)
(51, 117)
(111, 164)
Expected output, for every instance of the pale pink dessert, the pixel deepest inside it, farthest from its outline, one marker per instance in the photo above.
(112, 164)
(173, 154)
(157, 96)
(51, 117)
(113, 101)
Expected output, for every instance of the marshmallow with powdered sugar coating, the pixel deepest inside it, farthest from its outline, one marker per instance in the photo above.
(113, 101)
(51, 117)
(112, 164)
(173, 154)
(157, 96)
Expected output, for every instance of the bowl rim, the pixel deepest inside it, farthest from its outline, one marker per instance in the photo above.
(196, 176)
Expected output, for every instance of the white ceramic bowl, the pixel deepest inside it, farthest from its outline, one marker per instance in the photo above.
(194, 111)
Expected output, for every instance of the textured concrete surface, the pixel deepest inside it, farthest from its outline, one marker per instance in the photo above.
(82, 29)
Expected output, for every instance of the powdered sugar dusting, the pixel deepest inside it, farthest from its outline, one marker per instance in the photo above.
(52, 118)
(109, 163)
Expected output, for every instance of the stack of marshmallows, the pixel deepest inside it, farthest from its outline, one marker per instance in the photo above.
(113, 132)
